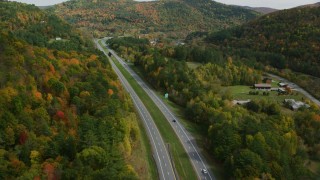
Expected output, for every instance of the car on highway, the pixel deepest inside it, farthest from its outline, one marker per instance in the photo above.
(204, 171)
(173, 120)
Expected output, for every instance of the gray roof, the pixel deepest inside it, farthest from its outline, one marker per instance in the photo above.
(262, 85)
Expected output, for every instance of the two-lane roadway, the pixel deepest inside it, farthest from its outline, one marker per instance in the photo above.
(160, 152)
(296, 87)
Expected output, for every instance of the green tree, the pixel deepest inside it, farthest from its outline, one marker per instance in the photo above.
(246, 164)
(57, 86)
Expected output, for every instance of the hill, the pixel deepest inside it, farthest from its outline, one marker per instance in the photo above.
(311, 5)
(44, 7)
(262, 10)
(292, 36)
(63, 113)
(175, 18)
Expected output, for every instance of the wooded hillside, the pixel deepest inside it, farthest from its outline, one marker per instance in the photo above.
(63, 113)
(175, 18)
(293, 36)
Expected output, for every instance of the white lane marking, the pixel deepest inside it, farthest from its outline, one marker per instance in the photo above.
(147, 126)
(151, 138)
(125, 84)
(156, 97)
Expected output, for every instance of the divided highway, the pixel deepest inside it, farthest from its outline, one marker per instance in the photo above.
(185, 137)
(160, 153)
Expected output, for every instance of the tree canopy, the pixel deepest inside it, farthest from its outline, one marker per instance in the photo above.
(63, 112)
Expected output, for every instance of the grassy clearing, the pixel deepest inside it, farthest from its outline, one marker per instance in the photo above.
(242, 93)
(141, 157)
(193, 65)
(197, 131)
(181, 160)
(274, 83)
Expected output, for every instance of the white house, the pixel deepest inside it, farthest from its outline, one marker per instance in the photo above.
(295, 105)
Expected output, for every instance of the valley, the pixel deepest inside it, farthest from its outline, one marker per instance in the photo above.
(206, 91)
(169, 89)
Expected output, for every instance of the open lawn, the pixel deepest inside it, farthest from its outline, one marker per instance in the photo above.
(193, 65)
(274, 83)
(242, 93)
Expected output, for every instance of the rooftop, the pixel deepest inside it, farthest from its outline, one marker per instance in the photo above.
(262, 85)
(296, 104)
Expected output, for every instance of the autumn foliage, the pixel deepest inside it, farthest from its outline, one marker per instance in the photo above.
(23, 137)
(49, 170)
(60, 114)
(175, 18)
(253, 141)
(110, 92)
(54, 103)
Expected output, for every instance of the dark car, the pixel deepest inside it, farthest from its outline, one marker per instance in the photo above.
(173, 120)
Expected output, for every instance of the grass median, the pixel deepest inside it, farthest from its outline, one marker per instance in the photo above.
(180, 158)
(199, 132)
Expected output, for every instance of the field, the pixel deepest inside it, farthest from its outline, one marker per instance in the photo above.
(242, 93)
(193, 65)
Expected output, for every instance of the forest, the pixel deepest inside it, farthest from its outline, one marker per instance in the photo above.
(292, 36)
(253, 141)
(166, 17)
(63, 112)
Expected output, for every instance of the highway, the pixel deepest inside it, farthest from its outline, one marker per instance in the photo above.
(160, 152)
(187, 140)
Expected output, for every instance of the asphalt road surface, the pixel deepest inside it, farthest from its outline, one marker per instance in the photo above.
(187, 140)
(160, 153)
(296, 88)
